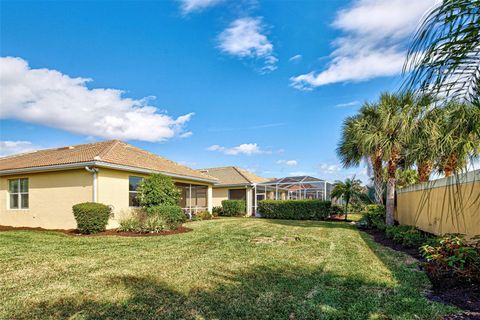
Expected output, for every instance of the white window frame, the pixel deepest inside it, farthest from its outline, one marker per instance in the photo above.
(135, 192)
(19, 193)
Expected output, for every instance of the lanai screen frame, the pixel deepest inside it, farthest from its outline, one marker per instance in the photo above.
(306, 184)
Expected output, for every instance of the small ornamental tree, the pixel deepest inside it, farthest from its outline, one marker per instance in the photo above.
(158, 190)
(348, 190)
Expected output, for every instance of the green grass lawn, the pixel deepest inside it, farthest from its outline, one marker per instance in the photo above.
(225, 269)
(354, 216)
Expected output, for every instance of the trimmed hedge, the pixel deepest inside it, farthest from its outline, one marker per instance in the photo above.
(91, 217)
(336, 209)
(232, 208)
(294, 209)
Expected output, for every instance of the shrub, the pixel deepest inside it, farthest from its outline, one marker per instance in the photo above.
(172, 216)
(452, 255)
(132, 223)
(294, 209)
(217, 211)
(416, 238)
(153, 219)
(231, 208)
(91, 217)
(204, 215)
(374, 217)
(154, 224)
(158, 190)
(336, 209)
(356, 207)
(408, 236)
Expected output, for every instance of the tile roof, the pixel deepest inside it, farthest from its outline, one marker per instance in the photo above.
(110, 151)
(233, 175)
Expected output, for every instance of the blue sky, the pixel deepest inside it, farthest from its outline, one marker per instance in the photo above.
(264, 85)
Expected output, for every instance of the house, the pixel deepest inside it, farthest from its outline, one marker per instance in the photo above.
(38, 189)
(234, 184)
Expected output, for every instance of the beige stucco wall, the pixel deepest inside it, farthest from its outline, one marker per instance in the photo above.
(112, 190)
(51, 197)
(219, 194)
(442, 207)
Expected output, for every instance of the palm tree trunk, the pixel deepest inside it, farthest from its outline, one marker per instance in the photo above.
(424, 170)
(346, 208)
(451, 165)
(392, 180)
(376, 159)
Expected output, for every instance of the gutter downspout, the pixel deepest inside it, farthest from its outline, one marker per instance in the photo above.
(93, 171)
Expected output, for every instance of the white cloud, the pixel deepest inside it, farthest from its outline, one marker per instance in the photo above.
(348, 104)
(290, 163)
(372, 44)
(186, 134)
(13, 147)
(296, 58)
(245, 38)
(329, 168)
(334, 171)
(53, 99)
(189, 6)
(245, 148)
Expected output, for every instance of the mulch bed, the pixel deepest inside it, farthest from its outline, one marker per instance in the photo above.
(465, 296)
(380, 237)
(113, 232)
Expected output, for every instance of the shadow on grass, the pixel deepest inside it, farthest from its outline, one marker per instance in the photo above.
(259, 293)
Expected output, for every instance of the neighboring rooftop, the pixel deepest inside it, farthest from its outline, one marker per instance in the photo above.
(111, 152)
(295, 180)
(233, 176)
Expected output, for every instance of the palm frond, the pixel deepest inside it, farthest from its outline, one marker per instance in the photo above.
(445, 53)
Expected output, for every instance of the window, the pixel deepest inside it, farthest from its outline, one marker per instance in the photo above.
(18, 192)
(237, 194)
(133, 183)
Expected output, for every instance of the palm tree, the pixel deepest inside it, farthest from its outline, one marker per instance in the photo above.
(445, 54)
(348, 190)
(396, 123)
(460, 137)
(423, 147)
(351, 149)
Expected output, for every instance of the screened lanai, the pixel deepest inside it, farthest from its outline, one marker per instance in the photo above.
(293, 188)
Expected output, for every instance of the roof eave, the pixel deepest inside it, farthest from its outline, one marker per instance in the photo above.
(101, 164)
(234, 185)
